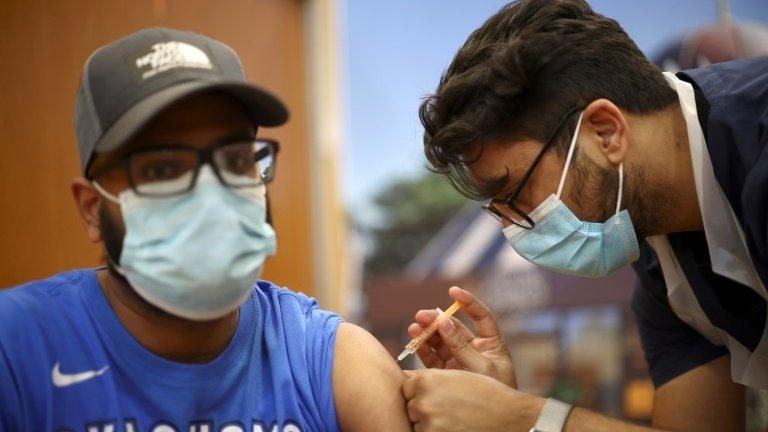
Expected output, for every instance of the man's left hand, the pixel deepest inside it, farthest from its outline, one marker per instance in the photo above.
(456, 400)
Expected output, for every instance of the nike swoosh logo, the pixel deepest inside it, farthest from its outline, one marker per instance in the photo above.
(63, 380)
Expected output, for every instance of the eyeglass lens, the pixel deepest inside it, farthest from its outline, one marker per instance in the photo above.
(171, 171)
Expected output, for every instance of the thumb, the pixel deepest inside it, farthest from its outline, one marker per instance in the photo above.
(460, 347)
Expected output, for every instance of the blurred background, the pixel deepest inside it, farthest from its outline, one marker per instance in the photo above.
(361, 224)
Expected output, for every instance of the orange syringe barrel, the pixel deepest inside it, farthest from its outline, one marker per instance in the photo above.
(416, 342)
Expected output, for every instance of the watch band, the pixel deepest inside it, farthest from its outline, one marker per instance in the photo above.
(552, 417)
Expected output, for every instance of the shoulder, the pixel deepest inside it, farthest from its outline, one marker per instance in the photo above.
(280, 296)
(38, 300)
(744, 78)
(298, 321)
(355, 346)
(295, 325)
(294, 306)
(36, 323)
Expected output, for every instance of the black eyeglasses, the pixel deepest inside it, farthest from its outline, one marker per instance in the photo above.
(501, 209)
(174, 171)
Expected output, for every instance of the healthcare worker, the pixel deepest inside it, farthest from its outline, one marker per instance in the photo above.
(593, 159)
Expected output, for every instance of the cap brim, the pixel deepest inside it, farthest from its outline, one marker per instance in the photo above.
(265, 108)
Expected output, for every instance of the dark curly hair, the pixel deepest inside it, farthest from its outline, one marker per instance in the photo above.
(520, 72)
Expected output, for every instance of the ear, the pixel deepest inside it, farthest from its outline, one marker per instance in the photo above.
(607, 129)
(88, 202)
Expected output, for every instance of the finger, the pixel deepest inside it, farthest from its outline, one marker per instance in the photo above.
(460, 347)
(435, 341)
(442, 350)
(430, 357)
(414, 373)
(434, 353)
(414, 330)
(440, 355)
(413, 411)
(453, 364)
(444, 353)
(469, 334)
(478, 312)
(425, 317)
(409, 386)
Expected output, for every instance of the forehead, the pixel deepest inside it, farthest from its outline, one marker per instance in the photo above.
(500, 159)
(196, 119)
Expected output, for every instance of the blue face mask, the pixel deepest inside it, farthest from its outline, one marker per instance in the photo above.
(562, 243)
(195, 255)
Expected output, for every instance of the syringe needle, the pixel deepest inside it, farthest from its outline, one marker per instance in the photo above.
(403, 355)
(416, 342)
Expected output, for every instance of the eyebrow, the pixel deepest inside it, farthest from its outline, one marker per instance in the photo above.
(225, 139)
(237, 136)
(491, 187)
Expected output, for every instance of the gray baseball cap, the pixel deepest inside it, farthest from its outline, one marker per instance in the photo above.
(129, 81)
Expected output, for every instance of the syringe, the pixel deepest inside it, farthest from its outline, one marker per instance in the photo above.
(414, 344)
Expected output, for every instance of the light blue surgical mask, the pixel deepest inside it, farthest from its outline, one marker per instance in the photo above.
(196, 255)
(562, 243)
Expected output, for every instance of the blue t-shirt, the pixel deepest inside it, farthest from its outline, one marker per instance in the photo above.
(68, 364)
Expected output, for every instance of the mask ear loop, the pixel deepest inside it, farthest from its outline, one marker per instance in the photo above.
(570, 155)
(621, 189)
(104, 193)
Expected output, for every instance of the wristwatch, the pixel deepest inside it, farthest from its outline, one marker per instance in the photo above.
(552, 417)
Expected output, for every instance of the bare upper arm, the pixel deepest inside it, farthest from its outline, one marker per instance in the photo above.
(702, 399)
(366, 384)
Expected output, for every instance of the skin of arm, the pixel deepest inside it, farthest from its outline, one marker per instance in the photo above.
(366, 384)
(703, 399)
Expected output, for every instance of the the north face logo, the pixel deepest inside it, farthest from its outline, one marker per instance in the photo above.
(170, 55)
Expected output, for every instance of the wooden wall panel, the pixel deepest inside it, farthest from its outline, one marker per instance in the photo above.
(44, 44)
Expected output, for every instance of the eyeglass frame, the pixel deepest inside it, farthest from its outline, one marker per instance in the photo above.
(203, 156)
(512, 196)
